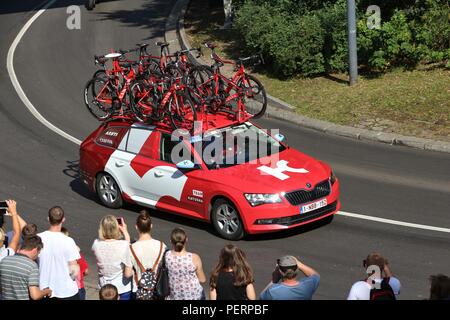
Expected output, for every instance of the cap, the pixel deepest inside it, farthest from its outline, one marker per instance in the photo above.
(287, 261)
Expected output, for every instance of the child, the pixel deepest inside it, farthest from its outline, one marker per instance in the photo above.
(108, 292)
(84, 270)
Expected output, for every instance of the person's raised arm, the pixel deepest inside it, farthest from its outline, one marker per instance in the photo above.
(387, 271)
(12, 210)
(124, 229)
(308, 271)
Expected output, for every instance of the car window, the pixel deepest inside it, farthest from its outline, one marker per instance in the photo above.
(111, 137)
(137, 138)
(237, 144)
(174, 151)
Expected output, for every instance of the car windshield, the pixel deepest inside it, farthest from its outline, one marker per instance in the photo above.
(234, 145)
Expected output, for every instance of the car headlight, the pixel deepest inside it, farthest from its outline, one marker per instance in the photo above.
(332, 178)
(256, 199)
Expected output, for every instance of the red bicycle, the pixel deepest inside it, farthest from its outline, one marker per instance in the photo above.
(162, 100)
(242, 94)
(108, 93)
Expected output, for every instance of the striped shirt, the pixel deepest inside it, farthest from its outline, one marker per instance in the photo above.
(17, 273)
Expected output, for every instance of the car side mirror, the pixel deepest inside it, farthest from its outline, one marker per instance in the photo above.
(279, 137)
(186, 165)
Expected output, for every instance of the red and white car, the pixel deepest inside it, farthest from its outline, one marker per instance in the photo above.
(264, 192)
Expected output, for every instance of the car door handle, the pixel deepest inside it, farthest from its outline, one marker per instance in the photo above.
(120, 163)
(159, 173)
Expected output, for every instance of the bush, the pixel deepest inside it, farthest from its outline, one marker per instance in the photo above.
(293, 44)
(309, 37)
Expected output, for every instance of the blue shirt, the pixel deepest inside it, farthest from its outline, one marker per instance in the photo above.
(304, 290)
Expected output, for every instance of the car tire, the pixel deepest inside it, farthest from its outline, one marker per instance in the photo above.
(226, 220)
(108, 191)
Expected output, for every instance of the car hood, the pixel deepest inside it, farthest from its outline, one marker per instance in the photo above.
(259, 178)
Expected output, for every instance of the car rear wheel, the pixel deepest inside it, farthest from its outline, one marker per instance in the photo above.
(108, 191)
(226, 220)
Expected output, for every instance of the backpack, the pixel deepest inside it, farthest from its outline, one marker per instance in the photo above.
(146, 285)
(385, 291)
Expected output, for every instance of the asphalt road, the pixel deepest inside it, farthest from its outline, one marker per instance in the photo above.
(38, 167)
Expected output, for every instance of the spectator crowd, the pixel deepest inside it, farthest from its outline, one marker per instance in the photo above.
(49, 265)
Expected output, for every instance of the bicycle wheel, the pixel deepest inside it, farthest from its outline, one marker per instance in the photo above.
(172, 70)
(198, 75)
(143, 102)
(182, 112)
(101, 73)
(98, 98)
(255, 96)
(152, 68)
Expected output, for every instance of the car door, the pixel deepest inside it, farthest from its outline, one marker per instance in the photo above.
(133, 160)
(178, 189)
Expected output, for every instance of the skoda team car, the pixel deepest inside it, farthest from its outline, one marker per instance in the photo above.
(273, 190)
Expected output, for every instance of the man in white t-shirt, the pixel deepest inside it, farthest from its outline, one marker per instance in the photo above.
(379, 277)
(146, 249)
(58, 265)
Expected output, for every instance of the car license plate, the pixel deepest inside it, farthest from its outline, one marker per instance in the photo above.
(313, 206)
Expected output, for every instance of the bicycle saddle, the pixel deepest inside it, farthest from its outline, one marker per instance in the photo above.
(142, 45)
(113, 55)
(162, 44)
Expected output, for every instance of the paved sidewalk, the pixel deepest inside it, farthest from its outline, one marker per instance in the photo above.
(278, 109)
(90, 283)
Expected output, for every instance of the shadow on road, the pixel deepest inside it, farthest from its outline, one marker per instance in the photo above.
(150, 16)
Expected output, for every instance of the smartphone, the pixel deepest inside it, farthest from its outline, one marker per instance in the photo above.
(3, 207)
(119, 221)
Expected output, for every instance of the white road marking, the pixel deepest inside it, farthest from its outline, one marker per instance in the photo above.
(394, 222)
(16, 84)
(37, 115)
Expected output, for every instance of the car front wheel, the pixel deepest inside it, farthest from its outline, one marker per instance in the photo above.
(226, 220)
(108, 191)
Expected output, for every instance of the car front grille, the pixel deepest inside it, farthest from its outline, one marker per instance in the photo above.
(322, 189)
(300, 218)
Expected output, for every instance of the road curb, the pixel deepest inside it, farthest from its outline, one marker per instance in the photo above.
(280, 110)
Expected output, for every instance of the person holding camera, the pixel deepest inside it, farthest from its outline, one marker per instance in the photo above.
(380, 284)
(112, 251)
(285, 286)
(12, 246)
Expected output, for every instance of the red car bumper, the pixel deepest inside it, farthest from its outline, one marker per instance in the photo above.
(276, 217)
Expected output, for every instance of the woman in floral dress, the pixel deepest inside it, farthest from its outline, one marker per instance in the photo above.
(185, 270)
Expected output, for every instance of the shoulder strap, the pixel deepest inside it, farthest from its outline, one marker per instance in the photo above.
(159, 256)
(137, 260)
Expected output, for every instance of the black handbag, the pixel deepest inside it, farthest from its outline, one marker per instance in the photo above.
(162, 288)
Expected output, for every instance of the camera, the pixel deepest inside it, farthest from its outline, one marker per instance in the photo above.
(3, 209)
